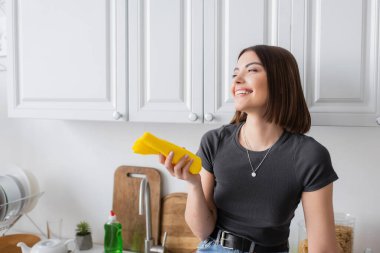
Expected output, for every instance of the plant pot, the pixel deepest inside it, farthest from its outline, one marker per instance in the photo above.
(83, 241)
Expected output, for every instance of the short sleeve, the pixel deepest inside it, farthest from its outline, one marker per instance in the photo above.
(313, 165)
(207, 149)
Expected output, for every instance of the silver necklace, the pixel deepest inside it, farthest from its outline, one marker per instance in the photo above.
(253, 174)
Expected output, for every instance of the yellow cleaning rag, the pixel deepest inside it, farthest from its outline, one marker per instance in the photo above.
(148, 144)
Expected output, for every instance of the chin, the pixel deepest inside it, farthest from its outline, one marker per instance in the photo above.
(236, 106)
(239, 108)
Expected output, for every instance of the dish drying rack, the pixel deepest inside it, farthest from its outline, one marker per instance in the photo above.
(10, 219)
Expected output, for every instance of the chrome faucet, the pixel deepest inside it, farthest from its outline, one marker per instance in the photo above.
(144, 207)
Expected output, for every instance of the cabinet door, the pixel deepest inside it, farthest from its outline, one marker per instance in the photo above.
(342, 55)
(231, 26)
(165, 60)
(336, 44)
(66, 59)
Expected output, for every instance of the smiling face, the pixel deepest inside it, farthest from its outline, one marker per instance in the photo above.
(249, 84)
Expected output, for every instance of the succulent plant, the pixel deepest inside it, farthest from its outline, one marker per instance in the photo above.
(83, 228)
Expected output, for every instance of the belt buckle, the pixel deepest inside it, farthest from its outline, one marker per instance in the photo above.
(223, 239)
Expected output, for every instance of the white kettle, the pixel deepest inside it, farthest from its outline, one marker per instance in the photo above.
(49, 246)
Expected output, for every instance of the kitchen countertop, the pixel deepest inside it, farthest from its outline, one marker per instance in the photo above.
(98, 248)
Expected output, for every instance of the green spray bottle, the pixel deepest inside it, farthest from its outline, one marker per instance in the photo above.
(113, 240)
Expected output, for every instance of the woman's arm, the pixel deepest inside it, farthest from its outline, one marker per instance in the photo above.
(319, 218)
(200, 213)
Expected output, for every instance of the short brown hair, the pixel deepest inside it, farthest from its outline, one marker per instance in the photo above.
(286, 105)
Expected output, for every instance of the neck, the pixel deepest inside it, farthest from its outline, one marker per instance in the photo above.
(260, 134)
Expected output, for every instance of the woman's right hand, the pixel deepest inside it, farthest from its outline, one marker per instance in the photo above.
(200, 211)
(180, 170)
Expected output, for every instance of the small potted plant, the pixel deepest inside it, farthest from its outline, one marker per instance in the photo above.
(83, 236)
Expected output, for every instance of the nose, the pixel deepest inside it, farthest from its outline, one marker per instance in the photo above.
(239, 79)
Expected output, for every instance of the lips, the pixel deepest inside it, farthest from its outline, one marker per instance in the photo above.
(243, 92)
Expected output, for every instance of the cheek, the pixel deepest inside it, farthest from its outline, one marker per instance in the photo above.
(232, 90)
(261, 84)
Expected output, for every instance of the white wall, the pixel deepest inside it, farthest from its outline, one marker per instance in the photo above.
(75, 161)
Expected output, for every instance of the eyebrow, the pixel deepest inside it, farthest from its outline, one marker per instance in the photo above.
(249, 64)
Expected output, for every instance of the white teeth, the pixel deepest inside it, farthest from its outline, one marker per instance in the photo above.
(239, 92)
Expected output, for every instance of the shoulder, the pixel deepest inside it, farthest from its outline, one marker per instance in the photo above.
(308, 147)
(313, 164)
(210, 143)
(221, 132)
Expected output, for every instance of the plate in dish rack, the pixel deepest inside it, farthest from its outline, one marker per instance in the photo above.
(28, 182)
(3, 206)
(34, 190)
(13, 170)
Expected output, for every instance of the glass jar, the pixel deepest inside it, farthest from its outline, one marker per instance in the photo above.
(344, 230)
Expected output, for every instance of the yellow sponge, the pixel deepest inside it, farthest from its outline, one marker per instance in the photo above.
(148, 144)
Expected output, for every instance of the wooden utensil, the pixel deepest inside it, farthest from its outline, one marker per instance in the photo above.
(126, 205)
(8, 243)
(179, 239)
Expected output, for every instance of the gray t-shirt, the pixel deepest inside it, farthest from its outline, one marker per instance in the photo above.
(262, 207)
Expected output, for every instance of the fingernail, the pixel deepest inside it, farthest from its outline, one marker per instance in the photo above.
(186, 156)
(171, 153)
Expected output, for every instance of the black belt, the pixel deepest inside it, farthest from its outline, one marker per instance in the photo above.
(232, 241)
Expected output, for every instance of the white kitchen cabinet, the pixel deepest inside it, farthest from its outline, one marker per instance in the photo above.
(165, 60)
(342, 57)
(171, 61)
(67, 59)
(229, 27)
(336, 44)
(181, 66)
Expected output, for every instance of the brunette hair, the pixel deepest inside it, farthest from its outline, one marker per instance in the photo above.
(286, 105)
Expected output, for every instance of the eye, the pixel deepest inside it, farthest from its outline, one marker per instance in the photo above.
(234, 75)
(253, 70)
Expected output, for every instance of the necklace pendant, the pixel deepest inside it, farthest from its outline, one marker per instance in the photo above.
(253, 174)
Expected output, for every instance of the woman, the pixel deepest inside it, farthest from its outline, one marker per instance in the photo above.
(258, 168)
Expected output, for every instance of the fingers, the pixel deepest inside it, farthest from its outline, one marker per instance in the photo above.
(185, 171)
(168, 162)
(180, 169)
(161, 158)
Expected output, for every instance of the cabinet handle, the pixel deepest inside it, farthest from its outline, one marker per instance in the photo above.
(116, 115)
(378, 120)
(209, 117)
(192, 116)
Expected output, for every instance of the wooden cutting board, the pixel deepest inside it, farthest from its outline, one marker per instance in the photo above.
(179, 238)
(8, 242)
(126, 205)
